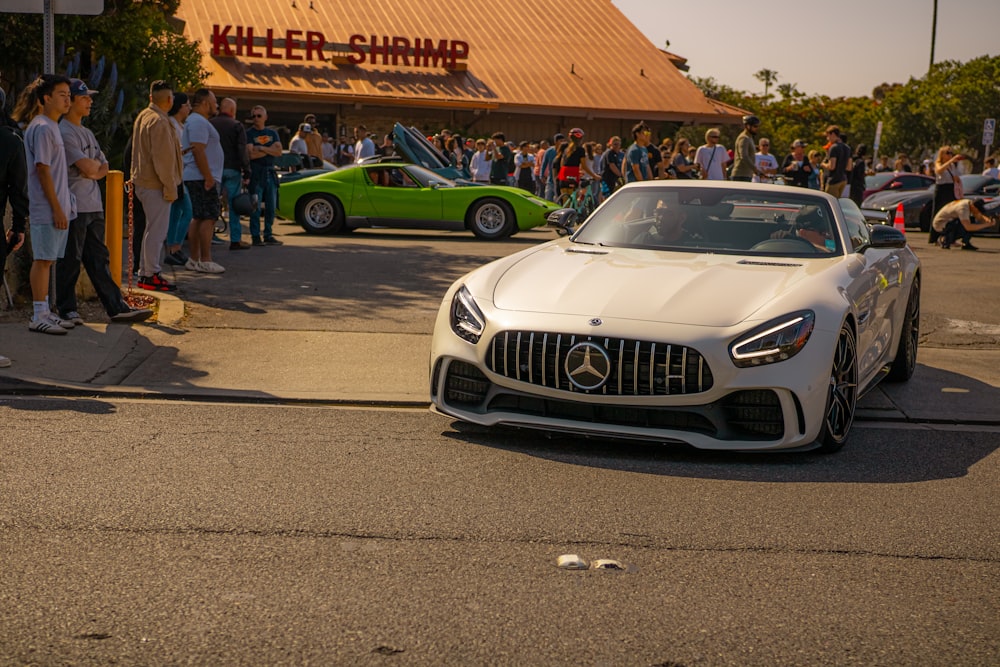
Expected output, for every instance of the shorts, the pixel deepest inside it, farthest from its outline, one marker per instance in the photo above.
(47, 243)
(205, 204)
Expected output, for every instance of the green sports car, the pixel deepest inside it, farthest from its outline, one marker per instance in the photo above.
(394, 194)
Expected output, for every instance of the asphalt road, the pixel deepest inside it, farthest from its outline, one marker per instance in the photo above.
(159, 533)
(165, 532)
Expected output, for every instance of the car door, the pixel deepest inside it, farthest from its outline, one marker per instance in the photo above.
(875, 291)
(397, 196)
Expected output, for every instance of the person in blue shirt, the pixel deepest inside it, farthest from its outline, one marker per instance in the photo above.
(264, 146)
(636, 165)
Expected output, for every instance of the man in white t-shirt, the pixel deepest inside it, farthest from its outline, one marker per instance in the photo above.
(712, 157)
(767, 164)
(990, 168)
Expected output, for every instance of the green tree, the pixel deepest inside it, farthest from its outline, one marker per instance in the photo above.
(768, 77)
(135, 39)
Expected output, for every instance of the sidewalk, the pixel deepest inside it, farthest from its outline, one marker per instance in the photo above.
(375, 369)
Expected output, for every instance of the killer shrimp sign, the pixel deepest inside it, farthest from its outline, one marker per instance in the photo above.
(312, 46)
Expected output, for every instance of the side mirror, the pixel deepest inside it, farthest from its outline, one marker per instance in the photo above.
(564, 218)
(884, 236)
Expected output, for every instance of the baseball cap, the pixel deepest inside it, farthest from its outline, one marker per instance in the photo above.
(559, 136)
(78, 87)
(306, 127)
(798, 143)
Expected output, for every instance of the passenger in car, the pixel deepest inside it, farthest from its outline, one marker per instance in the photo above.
(667, 228)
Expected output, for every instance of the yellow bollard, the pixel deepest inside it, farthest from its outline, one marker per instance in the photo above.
(113, 222)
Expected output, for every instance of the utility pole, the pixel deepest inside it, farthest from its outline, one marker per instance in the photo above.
(933, 34)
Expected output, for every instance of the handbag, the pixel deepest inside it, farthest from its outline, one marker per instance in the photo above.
(959, 190)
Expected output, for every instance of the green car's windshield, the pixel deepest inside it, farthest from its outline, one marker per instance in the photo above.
(763, 221)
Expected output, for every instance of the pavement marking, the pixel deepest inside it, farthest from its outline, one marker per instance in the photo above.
(970, 327)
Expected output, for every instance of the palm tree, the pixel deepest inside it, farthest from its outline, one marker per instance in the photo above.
(768, 77)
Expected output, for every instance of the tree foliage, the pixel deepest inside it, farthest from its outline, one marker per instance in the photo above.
(134, 38)
(946, 106)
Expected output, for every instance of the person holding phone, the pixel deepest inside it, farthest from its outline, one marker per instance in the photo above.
(947, 184)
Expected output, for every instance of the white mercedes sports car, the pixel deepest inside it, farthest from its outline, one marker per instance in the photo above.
(724, 315)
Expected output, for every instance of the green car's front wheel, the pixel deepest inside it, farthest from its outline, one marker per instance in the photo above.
(491, 218)
(320, 214)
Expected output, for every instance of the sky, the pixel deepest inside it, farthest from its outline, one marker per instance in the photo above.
(842, 52)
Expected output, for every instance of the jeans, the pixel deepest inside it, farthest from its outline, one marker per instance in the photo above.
(86, 245)
(265, 185)
(232, 179)
(551, 193)
(180, 219)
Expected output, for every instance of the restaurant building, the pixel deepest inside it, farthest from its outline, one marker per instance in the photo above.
(527, 69)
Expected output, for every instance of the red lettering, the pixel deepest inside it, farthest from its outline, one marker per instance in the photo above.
(239, 40)
(439, 54)
(220, 41)
(400, 47)
(376, 50)
(269, 51)
(459, 51)
(315, 42)
(250, 52)
(358, 56)
(291, 43)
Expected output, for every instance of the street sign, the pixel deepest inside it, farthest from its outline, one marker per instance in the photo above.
(988, 127)
(81, 7)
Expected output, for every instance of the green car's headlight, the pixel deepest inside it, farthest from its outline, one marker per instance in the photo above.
(780, 339)
(467, 321)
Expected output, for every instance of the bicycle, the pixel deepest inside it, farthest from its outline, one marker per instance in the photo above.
(581, 199)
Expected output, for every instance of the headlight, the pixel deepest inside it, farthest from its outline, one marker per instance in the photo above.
(467, 321)
(777, 340)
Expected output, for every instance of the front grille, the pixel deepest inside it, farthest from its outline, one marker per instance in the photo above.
(638, 368)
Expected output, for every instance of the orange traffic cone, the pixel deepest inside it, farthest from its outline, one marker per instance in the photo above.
(898, 221)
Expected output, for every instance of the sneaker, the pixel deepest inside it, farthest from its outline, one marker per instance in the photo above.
(210, 267)
(192, 265)
(969, 246)
(257, 242)
(156, 283)
(48, 324)
(270, 240)
(132, 315)
(239, 245)
(217, 241)
(4, 362)
(73, 317)
(176, 258)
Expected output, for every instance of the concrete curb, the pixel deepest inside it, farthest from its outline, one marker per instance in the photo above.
(169, 308)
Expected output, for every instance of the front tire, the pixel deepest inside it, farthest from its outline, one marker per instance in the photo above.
(491, 219)
(320, 214)
(906, 353)
(842, 394)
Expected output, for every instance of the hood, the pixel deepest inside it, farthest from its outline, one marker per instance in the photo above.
(414, 146)
(678, 288)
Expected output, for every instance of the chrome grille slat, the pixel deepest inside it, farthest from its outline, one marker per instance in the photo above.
(683, 370)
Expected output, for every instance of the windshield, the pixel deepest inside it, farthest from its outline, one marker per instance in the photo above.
(878, 180)
(761, 221)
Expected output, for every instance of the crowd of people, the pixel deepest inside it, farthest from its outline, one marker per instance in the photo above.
(189, 157)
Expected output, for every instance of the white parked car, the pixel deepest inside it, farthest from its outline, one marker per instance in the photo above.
(722, 315)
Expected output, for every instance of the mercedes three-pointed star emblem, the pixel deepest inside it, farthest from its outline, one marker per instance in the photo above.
(587, 365)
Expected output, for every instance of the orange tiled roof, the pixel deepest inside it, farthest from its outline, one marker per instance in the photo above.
(515, 62)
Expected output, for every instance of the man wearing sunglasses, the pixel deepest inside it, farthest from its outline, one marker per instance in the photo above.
(264, 146)
(712, 157)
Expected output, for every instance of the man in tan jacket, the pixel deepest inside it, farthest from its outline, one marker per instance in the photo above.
(156, 175)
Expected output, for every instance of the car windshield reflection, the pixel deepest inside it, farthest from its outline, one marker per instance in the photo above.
(714, 220)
